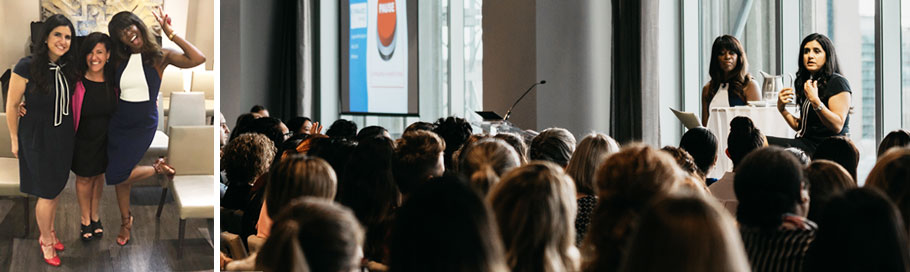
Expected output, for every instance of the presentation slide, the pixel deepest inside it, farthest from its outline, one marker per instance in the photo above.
(377, 68)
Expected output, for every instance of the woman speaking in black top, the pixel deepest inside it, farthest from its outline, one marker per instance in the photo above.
(822, 94)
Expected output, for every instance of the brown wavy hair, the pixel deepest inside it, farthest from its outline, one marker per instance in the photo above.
(627, 182)
(247, 157)
(891, 175)
(485, 161)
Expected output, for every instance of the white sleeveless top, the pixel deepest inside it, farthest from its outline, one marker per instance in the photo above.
(133, 86)
(721, 98)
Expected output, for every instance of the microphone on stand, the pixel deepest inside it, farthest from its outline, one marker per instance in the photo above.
(509, 112)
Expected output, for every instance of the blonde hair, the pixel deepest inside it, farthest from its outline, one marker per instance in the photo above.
(689, 234)
(627, 182)
(485, 161)
(590, 153)
(535, 209)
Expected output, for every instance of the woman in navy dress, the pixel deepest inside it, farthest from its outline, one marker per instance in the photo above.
(43, 140)
(140, 62)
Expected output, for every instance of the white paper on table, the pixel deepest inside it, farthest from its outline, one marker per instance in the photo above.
(688, 119)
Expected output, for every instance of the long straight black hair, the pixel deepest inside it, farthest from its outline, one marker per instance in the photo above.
(40, 57)
(830, 68)
(739, 77)
(151, 51)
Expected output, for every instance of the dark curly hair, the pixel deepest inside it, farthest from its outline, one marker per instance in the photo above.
(455, 131)
(247, 157)
(342, 128)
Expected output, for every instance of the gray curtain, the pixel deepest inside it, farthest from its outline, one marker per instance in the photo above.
(626, 100)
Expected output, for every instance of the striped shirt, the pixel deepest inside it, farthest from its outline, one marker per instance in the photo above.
(783, 249)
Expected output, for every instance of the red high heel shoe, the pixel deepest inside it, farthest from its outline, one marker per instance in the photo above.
(55, 261)
(58, 246)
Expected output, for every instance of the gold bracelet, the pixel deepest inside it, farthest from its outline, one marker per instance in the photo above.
(171, 37)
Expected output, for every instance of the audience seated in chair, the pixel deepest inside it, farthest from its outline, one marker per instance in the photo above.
(245, 159)
(860, 230)
(517, 143)
(627, 182)
(555, 145)
(455, 131)
(484, 162)
(342, 128)
(826, 180)
(890, 175)
(839, 149)
(701, 144)
(313, 234)
(418, 157)
(773, 203)
(591, 152)
(445, 226)
(686, 233)
(535, 209)
(369, 189)
(897, 138)
(744, 138)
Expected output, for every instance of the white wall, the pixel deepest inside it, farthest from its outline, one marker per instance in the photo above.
(573, 55)
(670, 72)
(15, 16)
(246, 34)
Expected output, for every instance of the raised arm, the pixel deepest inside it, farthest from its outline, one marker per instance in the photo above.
(786, 96)
(191, 56)
(834, 115)
(16, 91)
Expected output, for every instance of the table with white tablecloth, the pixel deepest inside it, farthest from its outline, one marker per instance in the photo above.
(767, 119)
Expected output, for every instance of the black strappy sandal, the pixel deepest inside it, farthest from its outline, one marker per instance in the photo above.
(97, 229)
(86, 229)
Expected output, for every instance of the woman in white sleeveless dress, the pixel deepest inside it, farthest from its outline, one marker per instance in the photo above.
(730, 84)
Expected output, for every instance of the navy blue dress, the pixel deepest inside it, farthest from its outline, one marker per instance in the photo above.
(45, 136)
(132, 128)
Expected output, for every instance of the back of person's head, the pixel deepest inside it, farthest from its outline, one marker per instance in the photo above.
(445, 226)
(517, 143)
(839, 149)
(312, 234)
(296, 124)
(417, 158)
(269, 126)
(768, 184)
(256, 108)
(420, 125)
(471, 140)
(535, 208)
(891, 175)
(242, 122)
(683, 160)
(297, 176)
(342, 128)
(799, 154)
(485, 161)
(826, 179)
(744, 138)
(590, 153)
(897, 138)
(702, 145)
(627, 182)
(370, 190)
(247, 157)
(555, 145)
(455, 131)
(335, 151)
(372, 131)
(686, 234)
(861, 230)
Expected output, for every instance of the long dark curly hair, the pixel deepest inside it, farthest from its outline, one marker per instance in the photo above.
(40, 70)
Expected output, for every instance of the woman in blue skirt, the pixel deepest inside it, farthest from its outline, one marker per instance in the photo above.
(139, 62)
(43, 140)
